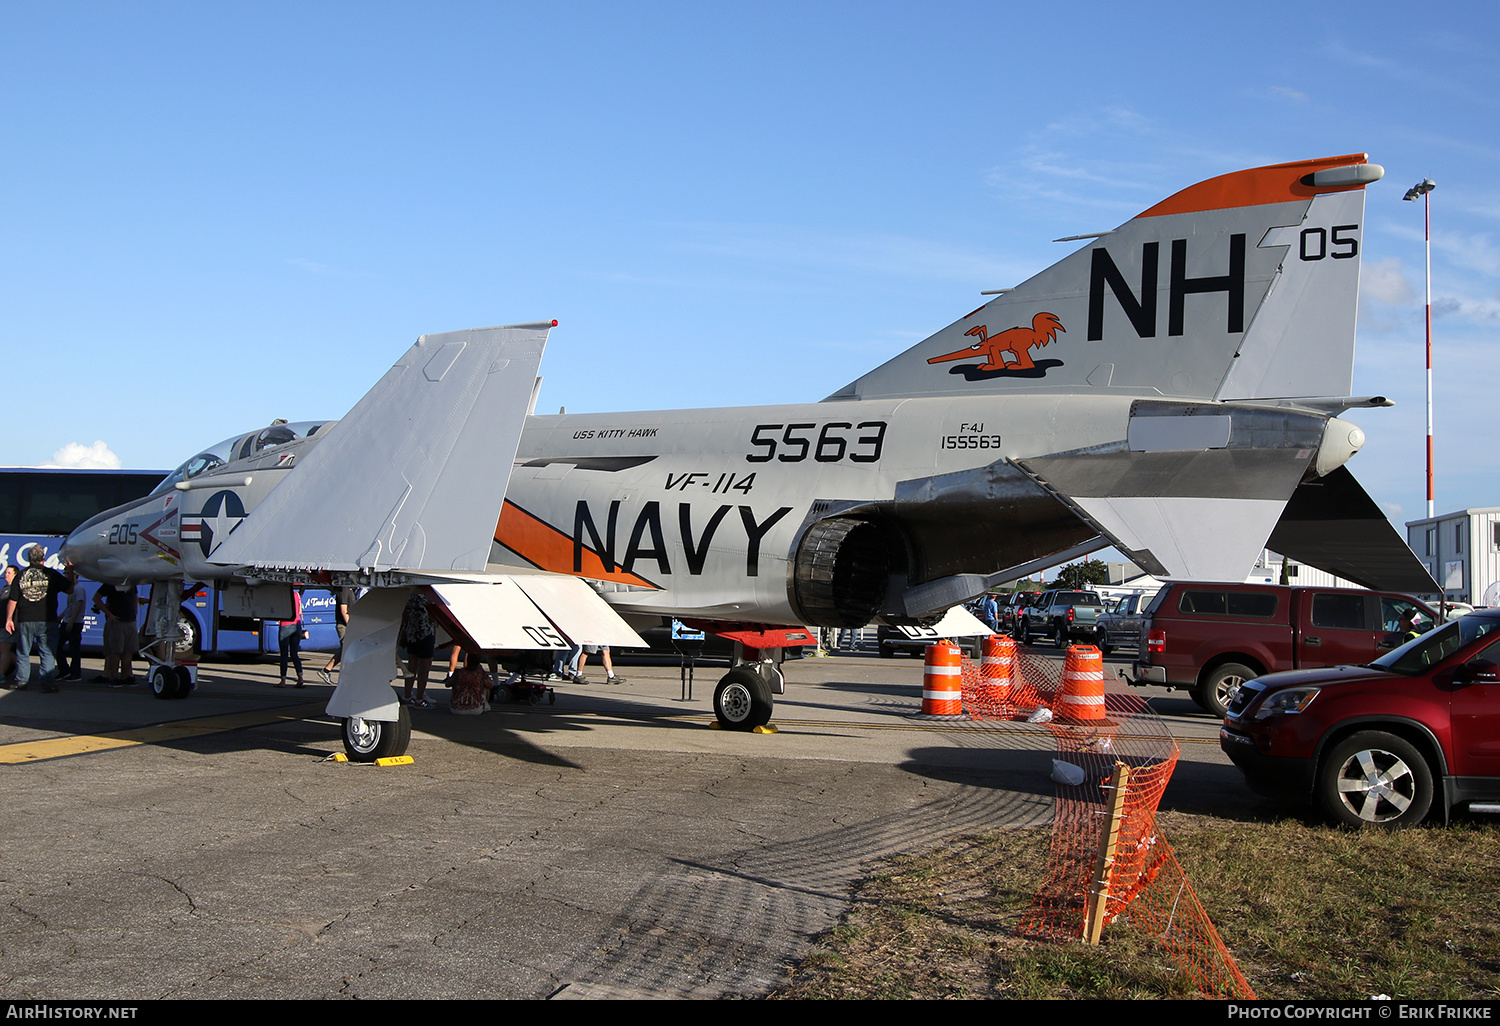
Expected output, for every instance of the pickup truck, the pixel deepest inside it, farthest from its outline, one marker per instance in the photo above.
(1212, 638)
(1120, 625)
(1063, 616)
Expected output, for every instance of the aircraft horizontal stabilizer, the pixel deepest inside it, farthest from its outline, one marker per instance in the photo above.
(414, 477)
(1333, 524)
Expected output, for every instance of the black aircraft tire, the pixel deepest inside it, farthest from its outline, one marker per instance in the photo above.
(368, 740)
(163, 682)
(742, 701)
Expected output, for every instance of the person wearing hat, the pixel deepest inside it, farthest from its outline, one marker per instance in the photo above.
(31, 615)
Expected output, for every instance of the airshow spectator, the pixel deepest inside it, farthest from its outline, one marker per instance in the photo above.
(119, 604)
(289, 640)
(989, 612)
(421, 641)
(31, 615)
(470, 687)
(7, 638)
(70, 630)
(602, 651)
(343, 599)
(565, 665)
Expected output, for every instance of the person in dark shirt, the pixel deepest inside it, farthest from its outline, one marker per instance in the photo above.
(7, 639)
(31, 615)
(119, 604)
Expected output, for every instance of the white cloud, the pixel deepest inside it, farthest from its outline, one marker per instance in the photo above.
(75, 456)
(1385, 281)
(1481, 309)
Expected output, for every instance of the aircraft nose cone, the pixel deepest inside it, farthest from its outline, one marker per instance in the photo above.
(83, 548)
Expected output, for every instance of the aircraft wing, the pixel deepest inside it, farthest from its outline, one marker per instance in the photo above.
(414, 476)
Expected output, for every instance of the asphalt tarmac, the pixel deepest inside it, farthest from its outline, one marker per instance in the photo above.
(610, 845)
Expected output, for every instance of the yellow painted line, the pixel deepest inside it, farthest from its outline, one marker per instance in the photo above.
(155, 734)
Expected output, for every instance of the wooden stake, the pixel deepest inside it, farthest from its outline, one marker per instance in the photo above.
(1104, 865)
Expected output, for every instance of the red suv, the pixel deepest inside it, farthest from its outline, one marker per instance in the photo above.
(1380, 743)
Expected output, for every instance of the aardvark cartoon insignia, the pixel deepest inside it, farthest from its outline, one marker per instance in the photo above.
(1015, 342)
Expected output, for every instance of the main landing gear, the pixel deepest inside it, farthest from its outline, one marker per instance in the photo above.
(743, 700)
(368, 740)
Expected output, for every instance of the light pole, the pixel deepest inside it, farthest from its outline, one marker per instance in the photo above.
(1422, 188)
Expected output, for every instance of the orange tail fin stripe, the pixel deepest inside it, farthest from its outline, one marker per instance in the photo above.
(1278, 183)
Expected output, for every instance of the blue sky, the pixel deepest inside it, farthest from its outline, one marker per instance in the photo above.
(248, 211)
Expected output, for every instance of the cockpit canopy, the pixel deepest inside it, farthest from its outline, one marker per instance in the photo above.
(242, 447)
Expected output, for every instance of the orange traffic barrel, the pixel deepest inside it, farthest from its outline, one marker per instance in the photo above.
(1082, 685)
(997, 671)
(942, 680)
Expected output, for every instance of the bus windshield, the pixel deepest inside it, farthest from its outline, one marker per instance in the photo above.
(241, 447)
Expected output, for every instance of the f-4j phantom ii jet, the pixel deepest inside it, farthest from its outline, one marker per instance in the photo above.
(1172, 388)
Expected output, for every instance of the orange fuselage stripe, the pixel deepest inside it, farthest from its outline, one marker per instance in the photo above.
(545, 547)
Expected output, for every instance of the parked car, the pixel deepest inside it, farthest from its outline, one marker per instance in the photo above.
(1212, 638)
(1064, 616)
(1453, 610)
(1120, 625)
(1379, 745)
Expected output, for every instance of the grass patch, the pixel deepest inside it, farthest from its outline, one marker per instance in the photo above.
(1306, 911)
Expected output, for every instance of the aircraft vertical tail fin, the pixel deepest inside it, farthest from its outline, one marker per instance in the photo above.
(1243, 286)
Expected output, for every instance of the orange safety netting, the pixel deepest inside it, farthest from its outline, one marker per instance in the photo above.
(1147, 889)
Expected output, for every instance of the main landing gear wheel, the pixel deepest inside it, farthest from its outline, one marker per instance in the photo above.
(368, 740)
(742, 701)
(1375, 779)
